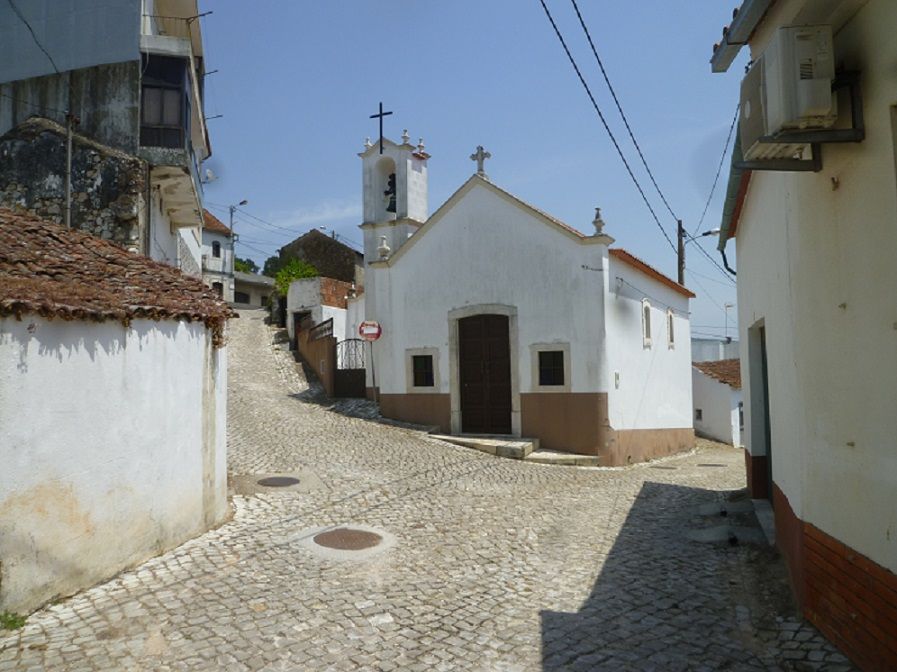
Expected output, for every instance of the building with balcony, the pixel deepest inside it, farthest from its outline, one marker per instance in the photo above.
(218, 256)
(129, 76)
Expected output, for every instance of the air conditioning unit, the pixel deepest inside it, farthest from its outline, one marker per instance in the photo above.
(788, 90)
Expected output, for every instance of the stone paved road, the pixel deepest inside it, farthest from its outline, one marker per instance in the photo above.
(496, 564)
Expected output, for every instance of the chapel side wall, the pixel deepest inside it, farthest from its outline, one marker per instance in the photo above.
(816, 262)
(654, 390)
(714, 399)
(88, 489)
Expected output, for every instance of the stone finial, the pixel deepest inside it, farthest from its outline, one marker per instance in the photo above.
(420, 145)
(383, 249)
(598, 223)
(367, 143)
(480, 157)
(405, 137)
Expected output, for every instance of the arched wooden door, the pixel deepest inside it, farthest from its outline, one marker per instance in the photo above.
(485, 374)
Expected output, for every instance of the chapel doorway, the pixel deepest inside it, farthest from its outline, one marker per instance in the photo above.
(484, 359)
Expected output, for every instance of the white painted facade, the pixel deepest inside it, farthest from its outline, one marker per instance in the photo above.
(121, 454)
(816, 272)
(305, 295)
(484, 251)
(218, 269)
(713, 349)
(717, 409)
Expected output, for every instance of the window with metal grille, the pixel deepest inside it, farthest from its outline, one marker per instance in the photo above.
(551, 367)
(423, 370)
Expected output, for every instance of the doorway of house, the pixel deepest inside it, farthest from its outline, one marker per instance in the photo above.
(767, 435)
(485, 374)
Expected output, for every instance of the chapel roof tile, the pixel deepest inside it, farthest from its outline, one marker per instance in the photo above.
(54, 272)
(727, 371)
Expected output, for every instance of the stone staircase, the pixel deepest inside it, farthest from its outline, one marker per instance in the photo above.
(518, 449)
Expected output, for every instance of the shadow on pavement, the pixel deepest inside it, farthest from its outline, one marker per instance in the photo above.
(664, 601)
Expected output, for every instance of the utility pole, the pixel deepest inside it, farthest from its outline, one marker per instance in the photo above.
(69, 119)
(680, 234)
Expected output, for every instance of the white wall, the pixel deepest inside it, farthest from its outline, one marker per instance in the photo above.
(654, 388)
(714, 349)
(816, 267)
(719, 408)
(163, 244)
(189, 251)
(113, 449)
(218, 269)
(354, 316)
(304, 295)
(77, 35)
(338, 315)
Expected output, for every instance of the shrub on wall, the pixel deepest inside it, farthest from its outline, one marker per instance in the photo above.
(294, 269)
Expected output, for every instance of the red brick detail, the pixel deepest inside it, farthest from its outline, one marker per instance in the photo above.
(757, 475)
(850, 598)
(334, 292)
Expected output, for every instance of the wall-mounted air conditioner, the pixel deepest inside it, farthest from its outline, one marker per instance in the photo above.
(788, 89)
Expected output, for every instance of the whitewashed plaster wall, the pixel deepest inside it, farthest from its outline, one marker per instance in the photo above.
(189, 250)
(714, 349)
(113, 446)
(163, 244)
(650, 386)
(301, 296)
(718, 404)
(338, 315)
(221, 268)
(816, 267)
(354, 316)
(485, 251)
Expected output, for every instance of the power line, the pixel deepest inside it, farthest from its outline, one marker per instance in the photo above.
(710, 258)
(613, 94)
(606, 127)
(706, 293)
(33, 36)
(719, 170)
(34, 106)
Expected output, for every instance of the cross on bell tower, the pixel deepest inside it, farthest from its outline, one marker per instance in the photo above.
(480, 157)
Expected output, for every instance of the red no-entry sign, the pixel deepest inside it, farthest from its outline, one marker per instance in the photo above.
(370, 331)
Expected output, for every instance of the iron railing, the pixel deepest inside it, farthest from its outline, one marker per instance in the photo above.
(350, 354)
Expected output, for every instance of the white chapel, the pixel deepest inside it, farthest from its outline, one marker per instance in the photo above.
(499, 319)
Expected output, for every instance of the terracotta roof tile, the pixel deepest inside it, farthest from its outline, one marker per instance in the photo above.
(211, 223)
(727, 371)
(54, 272)
(647, 269)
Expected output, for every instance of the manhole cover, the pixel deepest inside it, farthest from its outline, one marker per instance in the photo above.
(347, 539)
(278, 481)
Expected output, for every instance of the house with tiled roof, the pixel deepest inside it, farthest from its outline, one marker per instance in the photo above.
(716, 396)
(499, 319)
(218, 256)
(113, 380)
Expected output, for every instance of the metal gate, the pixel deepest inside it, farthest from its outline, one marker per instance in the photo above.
(349, 380)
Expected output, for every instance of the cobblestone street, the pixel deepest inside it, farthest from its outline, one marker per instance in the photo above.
(488, 563)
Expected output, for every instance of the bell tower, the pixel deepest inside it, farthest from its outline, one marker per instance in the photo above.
(394, 188)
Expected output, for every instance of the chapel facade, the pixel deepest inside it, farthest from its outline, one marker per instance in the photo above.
(498, 319)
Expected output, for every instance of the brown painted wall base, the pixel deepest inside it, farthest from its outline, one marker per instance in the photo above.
(569, 422)
(850, 598)
(639, 445)
(757, 475)
(421, 409)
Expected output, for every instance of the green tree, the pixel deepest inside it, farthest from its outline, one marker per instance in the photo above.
(272, 265)
(294, 269)
(245, 265)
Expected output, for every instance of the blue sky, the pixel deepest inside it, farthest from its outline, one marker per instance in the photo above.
(297, 81)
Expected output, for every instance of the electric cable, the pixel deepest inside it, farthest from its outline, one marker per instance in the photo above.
(606, 126)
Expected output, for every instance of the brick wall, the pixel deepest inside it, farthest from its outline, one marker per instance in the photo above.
(334, 292)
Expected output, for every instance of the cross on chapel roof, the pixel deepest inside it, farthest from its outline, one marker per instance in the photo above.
(480, 157)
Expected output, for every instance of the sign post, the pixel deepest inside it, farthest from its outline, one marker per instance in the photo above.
(370, 331)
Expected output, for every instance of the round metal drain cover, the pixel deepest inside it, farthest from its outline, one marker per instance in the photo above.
(347, 539)
(278, 481)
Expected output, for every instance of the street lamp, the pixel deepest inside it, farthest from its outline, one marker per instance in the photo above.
(232, 209)
(726, 307)
(683, 238)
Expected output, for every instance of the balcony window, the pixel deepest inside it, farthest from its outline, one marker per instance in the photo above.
(165, 108)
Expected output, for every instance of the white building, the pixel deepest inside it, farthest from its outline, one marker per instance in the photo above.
(218, 256)
(131, 71)
(113, 401)
(813, 207)
(252, 289)
(713, 349)
(716, 395)
(499, 319)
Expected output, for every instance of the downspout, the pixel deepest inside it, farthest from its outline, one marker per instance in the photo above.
(734, 194)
